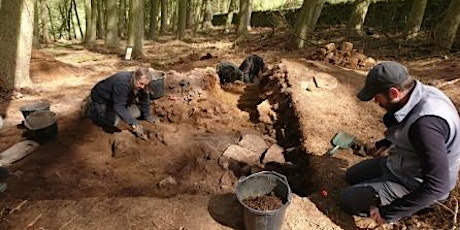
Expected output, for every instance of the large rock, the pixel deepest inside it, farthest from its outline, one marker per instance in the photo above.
(274, 153)
(254, 143)
(241, 154)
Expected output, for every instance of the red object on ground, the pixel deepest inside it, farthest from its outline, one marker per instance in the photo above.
(323, 192)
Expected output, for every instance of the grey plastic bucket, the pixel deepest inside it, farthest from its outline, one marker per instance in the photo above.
(157, 85)
(261, 184)
(34, 106)
(43, 125)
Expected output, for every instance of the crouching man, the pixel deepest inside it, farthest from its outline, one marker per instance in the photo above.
(122, 96)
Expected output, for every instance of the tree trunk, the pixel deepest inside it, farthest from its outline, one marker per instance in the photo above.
(91, 18)
(123, 20)
(154, 10)
(316, 14)
(357, 17)
(53, 30)
(182, 19)
(303, 23)
(111, 35)
(447, 29)
(78, 18)
(230, 13)
(248, 24)
(208, 14)
(44, 20)
(164, 17)
(414, 22)
(16, 24)
(36, 34)
(136, 27)
(100, 25)
(190, 14)
(243, 19)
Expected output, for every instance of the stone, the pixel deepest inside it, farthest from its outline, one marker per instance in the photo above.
(254, 143)
(241, 154)
(274, 153)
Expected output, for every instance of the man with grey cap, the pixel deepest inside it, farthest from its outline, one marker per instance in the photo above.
(423, 142)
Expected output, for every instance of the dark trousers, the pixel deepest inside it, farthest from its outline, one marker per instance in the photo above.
(372, 185)
(105, 116)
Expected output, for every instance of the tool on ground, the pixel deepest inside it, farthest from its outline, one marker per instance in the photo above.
(341, 140)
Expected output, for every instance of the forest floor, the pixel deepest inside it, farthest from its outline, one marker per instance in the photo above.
(179, 179)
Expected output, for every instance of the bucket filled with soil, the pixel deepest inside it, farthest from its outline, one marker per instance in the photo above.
(265, 197)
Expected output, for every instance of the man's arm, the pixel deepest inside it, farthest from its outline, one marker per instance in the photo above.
(144, 103)
(428, 135)
(120, 101)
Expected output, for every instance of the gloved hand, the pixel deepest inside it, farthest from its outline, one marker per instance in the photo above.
(151, 119)
(139, 131)
(361, 148)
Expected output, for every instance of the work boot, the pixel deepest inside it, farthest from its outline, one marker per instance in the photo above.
(152, 119)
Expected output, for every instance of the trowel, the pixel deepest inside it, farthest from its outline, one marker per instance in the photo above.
(341, 140)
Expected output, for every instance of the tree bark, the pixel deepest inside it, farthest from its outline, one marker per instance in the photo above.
(230, 13)
(16, 24)
(190, 14)
(91, 18)
(153, 25)
(111, 36)
(78, 18)
(123, 19)
(303, 23)
(414, 22)
(357, 17)
(164, 17)
(44, 20)
(36, 35)
(100, 25)
(182, 19)
(243, 19)
(447, 29)
(136, 27)
(208, 14)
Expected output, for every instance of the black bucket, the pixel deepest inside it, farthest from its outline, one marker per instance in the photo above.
(42, 125)
(157, 85)
(34, 106)
(261, 184)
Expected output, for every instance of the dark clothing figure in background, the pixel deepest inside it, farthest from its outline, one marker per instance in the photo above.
(252, 68)
(423, 142)
(249, 71)
(122, 96)
(228, 72)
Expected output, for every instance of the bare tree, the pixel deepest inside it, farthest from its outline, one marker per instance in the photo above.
(136, 27)
(190, 14)
(111, 35)
(244, 18)
(44, 20)
(153, 25)
(358, 15)
(91, 17)
(447, 29)
(164, 16)
(414, 22)
(182, 19)
(304, 22)
(208, 14)
(230, 13)
(16, 24)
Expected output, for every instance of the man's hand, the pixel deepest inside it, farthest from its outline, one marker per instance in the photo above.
(139, 131)
(375, 215)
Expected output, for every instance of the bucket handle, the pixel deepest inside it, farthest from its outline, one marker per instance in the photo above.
(283, 177)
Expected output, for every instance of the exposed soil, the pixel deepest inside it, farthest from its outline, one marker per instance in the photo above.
(178, 178)
(264, 203)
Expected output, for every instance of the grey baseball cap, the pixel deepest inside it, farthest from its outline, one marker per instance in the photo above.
(382, 77)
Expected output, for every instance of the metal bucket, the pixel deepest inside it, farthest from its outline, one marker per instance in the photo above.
(261, 184)
(34, 106)
(42, 125)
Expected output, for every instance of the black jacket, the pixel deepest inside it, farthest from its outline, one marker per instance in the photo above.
(117, 92)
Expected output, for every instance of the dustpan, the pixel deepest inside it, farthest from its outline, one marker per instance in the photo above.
(341, 140)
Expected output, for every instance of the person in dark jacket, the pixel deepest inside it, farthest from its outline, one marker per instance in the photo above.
(252, 67)
(122, 96)
(423, 145)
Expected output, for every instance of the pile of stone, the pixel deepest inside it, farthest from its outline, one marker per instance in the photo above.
(344, 55)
